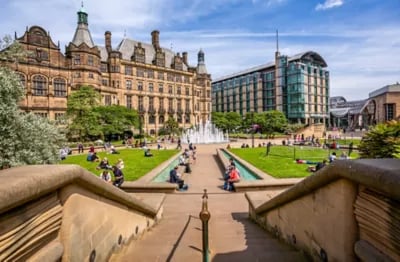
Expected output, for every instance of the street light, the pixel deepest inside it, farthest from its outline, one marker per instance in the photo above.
(253, 129)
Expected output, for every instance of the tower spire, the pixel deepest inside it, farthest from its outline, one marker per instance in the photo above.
(277, 41)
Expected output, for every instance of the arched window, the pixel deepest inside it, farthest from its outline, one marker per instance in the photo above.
(60, 87)
(179, 119)
(161, 119)
(39, 85)
(152, 119)
(187, 118)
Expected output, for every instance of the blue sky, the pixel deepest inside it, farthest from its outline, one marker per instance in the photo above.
(359, 39)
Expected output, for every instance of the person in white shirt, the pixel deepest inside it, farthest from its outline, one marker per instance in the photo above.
(106, 176)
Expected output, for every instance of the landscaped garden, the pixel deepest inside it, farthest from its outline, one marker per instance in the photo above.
(281, 161)
(136, 165)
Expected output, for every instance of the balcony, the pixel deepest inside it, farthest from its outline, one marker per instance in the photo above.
(161, 110)
(180, 111)
(152, 110)
(188, 111)
(171, 111)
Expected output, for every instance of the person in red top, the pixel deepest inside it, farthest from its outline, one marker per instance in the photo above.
(91, 149)
(234, 177)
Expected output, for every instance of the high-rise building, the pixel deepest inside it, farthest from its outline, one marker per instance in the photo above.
(298, 86)
(156, 81)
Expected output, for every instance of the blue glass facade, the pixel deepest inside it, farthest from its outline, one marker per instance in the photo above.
(298, 86)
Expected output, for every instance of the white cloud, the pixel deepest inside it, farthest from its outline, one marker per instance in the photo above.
(329, 4)
(360, 59)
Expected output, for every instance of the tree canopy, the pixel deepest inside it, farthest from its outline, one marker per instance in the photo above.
(88, 119)
(116, 119)
(25, 138)
(382, 141)
(83, 119)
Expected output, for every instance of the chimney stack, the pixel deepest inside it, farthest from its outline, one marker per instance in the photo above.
(155, 39)
(108, 41)
(185, 58)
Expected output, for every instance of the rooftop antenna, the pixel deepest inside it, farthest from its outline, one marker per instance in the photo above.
(277, 41)
(82, 3)
(124, 33)
(172, 46)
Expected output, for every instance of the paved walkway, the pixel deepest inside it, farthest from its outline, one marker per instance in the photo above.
(233, 237)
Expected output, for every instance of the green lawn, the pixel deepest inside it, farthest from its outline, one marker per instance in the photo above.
(281, 160)
(136, 165)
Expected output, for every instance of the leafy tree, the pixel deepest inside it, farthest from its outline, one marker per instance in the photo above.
(171, 126)
(382, 141)
(11, 50)
(274, 121)
(233, 121)
(219, 120)
(25, 138)
(116, 119)
(83, 119)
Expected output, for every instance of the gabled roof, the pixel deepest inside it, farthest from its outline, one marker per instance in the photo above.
(127, 47)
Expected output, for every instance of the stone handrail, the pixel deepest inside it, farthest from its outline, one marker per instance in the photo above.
(379, 174)
(346, 211)
(22, 184)
(65, 213)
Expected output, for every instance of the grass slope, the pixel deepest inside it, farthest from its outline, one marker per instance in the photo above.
(136, 165)
(281, 160)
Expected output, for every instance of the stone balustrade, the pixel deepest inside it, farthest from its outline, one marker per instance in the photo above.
(63, 212)
(348, 210)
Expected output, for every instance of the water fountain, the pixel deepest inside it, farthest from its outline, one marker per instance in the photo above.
(206, 133)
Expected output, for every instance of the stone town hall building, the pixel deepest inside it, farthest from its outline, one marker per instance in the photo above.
(155, 81)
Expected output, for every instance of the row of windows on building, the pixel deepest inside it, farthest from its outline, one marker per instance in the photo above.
(39, 86)
(148, 73)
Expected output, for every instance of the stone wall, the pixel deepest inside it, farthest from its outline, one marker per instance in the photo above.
(65, 213)
(322, 223)
(344, 212)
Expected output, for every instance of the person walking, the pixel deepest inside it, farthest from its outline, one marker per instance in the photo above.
(268, 148)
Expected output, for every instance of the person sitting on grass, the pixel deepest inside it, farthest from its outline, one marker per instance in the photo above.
(113, 150)
(319, 166)
(106, 176)
(118, 176)
(147, 153)
(92, 157)
(104, 164)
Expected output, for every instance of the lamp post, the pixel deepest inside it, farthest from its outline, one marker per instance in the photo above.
(252, 129)
(140, 128)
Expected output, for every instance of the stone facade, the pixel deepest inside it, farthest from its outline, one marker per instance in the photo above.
(153, 80)
(387, 103)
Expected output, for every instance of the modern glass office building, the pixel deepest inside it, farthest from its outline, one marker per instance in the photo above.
(297, 86)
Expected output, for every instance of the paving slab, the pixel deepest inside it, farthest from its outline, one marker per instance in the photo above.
(232, 235)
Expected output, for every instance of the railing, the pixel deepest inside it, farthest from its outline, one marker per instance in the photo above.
(205, 217)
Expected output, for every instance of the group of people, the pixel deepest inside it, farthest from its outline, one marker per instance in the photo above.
(116, 169)
(118, 176)
(187, 158)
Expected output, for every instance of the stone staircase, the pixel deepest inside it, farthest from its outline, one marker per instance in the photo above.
(232, 235)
